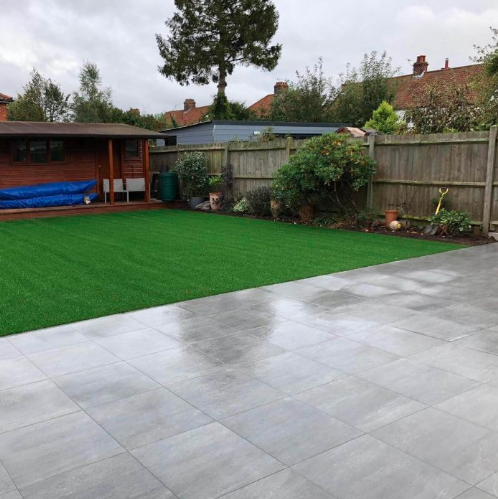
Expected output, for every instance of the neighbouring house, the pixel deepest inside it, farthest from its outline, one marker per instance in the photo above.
(4, 101)
(191, 114)
(36, 153)
(219, 131)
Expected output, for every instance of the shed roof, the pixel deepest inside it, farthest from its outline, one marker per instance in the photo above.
(289, 124)
(98, 130)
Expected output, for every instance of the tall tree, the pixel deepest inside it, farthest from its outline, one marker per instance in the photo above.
(92, 103)
(364, 89)
(309, 99)
(42, 100)
(209, 38)
(385, 120)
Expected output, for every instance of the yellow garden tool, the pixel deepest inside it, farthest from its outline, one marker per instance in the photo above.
(432, 229)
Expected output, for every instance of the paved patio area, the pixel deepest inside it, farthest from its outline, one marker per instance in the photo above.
(378, 383)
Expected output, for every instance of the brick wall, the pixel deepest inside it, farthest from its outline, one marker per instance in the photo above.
(3, 111)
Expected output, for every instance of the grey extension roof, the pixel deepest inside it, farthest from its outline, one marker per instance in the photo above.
(97, 130)
(259, 123)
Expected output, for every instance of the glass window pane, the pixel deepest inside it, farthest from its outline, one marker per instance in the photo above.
(20, 151)
(38, 151)
(57, 150)
(132, 148)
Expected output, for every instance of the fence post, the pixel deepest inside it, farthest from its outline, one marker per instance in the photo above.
(488, 191)
(370, 187)
(288, 146)
(225, 154)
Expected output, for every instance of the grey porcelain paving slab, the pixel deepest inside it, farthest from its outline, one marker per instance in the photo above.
(225, 393)
(330, 282)
(395, 340)
(418, 381)
(157, 316)
(46, 339)
(428, 276)
(137, 343)
(290, 431)
(104, 384)
(147, 417)
(291, 373)
(479, 406)
(490, 486)
(337, 299)
(244, 319)
(17, 372)
(237, 348)
(456, 446)
(33, 403)
(485, 341)
(107, 326)
(177, 364)
(473, 364)
(286, 308)
(420, 302)
(7, 350)
(6, 484)
(290, 335)
(468, 314)
(196, 329)
(119, 477)
(11, 495)
(359, 403)
(348, 356)
(286, 484)
(381, 312)
(368, 469)
(474, 493)
(436, 327)
(295, 290)
(371, 291)
(206, 463)
(336, 323)
(42, 450)
(66, 360)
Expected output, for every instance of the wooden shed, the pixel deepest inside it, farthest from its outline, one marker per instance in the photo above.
(35, 153)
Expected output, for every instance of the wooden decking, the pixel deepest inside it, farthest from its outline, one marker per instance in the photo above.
(91, 209)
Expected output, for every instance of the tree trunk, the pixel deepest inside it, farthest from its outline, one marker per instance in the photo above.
(222, 84)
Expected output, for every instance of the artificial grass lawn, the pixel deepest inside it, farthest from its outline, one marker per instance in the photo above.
(60, 270)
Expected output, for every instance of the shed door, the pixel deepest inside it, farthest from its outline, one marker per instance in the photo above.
(103, 162)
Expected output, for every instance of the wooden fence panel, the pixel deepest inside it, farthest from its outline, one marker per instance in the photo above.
(410, 169)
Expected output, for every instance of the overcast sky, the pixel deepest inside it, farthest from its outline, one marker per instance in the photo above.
(57, 36)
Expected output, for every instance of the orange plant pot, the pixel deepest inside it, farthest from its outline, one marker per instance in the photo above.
(391, 216)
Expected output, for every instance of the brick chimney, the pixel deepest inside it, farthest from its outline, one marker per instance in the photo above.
(446, 63)
(280, 87)
(420, 66)
(189, 104)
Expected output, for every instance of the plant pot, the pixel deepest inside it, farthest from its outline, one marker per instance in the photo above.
(391, 216)
(195, 200)
(275, 207)
(215, 200)
(307, 213)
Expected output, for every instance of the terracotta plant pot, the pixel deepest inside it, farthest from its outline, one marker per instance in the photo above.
(275, 208)
(391, 216)
(307, 213)
(215, 200)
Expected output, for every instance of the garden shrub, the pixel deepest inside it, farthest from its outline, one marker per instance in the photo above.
(327, 167)
(455, 222)
(241, 206)
(259, 201)
(192, 170)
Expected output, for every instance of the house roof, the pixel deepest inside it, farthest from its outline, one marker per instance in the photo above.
(97, 130)
(5, 98)
(262, 106)
(187, 117)
(409, 85)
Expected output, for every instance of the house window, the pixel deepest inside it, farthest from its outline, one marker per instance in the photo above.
(20, 150)
(131, 149)
(57, 150)
(38, 151)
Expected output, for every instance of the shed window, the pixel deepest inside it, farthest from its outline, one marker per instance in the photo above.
(131, 149)
(20, 150)
(38, 151)
(57, 150)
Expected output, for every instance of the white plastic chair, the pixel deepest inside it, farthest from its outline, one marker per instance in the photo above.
(118, 188)
(135, 185)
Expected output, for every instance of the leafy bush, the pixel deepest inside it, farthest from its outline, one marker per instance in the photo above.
(242, 206)
(192, 170)
(327, 167)
(259, 201)
(215, 183)
(455, 222)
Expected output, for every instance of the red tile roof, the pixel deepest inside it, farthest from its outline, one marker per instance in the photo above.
(262, 106)
(5, 98)
(188, 117)
(409, 86)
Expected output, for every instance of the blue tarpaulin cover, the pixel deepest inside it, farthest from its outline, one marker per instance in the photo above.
(46, 201)
(50, 189)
